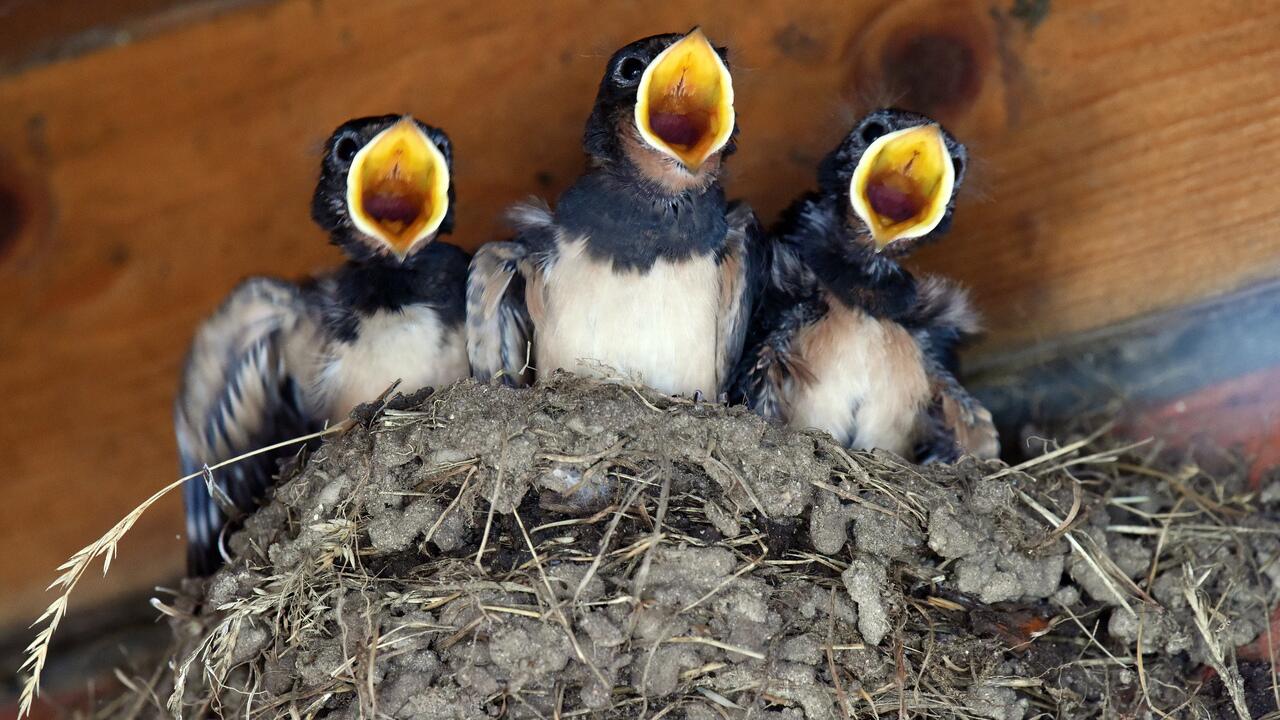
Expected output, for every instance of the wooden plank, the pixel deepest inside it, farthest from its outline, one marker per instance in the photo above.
(90, 645)
(1122, 166)
(38, 31)
(1203, 372)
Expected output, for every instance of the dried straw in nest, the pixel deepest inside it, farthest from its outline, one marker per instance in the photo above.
(593, 550)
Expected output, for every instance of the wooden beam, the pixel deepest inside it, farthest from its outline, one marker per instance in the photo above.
(40, 31)
(1122, 165)
(1208, 372)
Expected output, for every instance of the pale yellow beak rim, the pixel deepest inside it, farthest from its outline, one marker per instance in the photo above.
(913, 163)
(401, 169)
(687, 77)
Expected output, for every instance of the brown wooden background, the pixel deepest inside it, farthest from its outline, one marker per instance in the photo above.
(1125, 162)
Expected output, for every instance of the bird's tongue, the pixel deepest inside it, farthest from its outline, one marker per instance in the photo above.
(677, 128)
(388, 208)
(892, 203)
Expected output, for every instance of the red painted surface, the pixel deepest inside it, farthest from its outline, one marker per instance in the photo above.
(1241, 413)
(1258, 649)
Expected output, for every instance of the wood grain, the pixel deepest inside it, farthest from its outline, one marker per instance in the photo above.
(1123, 164)
(38, 31)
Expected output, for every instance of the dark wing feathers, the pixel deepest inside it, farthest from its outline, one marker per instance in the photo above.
(941, 319)
(789, 301)
(243, 387)
(743, 265)
(499, 330)
(957, 423)
(499, 322)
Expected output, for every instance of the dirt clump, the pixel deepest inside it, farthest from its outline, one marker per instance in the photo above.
(592, 550)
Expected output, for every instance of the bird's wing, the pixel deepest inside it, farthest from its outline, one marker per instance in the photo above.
(941, 319)
(789, 302)
(245, 386)
(957, 423)
(743, 268)
(499, 329)
(504, 296)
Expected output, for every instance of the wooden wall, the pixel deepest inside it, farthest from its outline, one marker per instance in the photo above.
(1124, 162)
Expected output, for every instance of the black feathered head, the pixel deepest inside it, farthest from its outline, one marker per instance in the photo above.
(670, 95)
(897, 173)
(385, 187)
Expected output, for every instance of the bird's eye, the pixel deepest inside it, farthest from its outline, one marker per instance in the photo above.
(958, 164)
(345, 148)
(630, 69)
(873, 130)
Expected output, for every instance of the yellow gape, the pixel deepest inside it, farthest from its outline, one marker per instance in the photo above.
(684, 107)
(903, 183)
(398, 187)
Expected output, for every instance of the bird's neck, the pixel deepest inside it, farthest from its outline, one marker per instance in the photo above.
(639, 164)
(368, 285)
(627, 220)
(852, 271)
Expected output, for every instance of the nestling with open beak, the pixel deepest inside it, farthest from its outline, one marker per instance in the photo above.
(846, 340)
(279, 360)
(642, 272)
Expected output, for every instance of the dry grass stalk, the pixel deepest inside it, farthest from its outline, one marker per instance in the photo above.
(77, 565)
(639, 558)
(1211, 636)
(1078, 548)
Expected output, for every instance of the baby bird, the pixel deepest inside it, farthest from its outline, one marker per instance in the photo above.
(846, 340)
(643, 271)
(278, 359)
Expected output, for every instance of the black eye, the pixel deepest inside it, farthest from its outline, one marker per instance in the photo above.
(345, 148)
(630, 69)
(958, 164)
(872, 130)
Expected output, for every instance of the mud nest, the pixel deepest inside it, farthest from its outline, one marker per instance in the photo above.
(597, 551)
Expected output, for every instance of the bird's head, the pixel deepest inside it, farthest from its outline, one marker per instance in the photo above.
(897, 174)
(665, 107)
(384, 188)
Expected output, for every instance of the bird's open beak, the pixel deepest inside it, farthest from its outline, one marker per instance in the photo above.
(903, 184)
(684, 106)
(398, 187)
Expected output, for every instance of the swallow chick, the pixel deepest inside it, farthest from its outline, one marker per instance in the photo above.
(847, 340)
(278, 360)
(642, 271)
